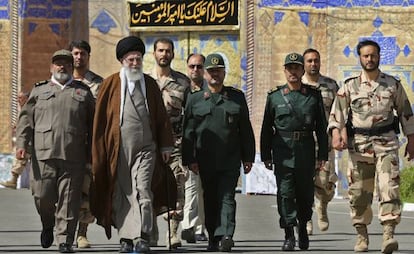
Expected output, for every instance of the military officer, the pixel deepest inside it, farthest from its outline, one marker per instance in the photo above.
(292, 114)
(217, 136)
(325, 176)
(57, 120)
(174, 87)
(373, 104)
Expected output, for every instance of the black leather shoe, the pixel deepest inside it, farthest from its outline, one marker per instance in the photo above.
(142, 246)
(289, 244)
(226, 244)
(290, 241)
(188, 235)
(46, 237)
(201, 237)
(213, 246)
(303, 237)
(127, 246)
(65, 248)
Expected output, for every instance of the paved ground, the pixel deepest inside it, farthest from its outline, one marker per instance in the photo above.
(257, 229)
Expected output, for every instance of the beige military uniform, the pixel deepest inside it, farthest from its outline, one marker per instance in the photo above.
(374, 150)
(93, 81)
(174, 90)
(325, 175)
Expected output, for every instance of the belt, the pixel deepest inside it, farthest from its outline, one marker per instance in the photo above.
(377, 131)
(295, 135)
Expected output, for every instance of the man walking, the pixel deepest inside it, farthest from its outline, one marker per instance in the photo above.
(193, 218)
(132, 138)
(325, 176)
(57, 120)
(293, 113)
(174, 87)
(81, 51)
(372, 105)
(218, 136)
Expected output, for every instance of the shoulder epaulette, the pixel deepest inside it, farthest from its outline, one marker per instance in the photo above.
(40, 83)
(350, 78)
(230, 88)
(80, 83)
(274, 89)
(312, 87)
(196, 91)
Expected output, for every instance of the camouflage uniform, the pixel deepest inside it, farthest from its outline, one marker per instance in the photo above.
(373, 151)
(327, 174)
(93, 81)
(174, 91)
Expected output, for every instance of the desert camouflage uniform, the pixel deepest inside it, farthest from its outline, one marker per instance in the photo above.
(174, 91)
(325, 175)
(93, 81)
(373, 152)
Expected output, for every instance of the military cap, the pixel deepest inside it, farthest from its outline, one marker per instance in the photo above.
(214, 61)
(294, 58)
(62, 54)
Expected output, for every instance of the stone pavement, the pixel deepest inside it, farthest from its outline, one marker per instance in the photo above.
(257, 229)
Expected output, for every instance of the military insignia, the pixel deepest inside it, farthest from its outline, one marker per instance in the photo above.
(215, 61)
(303, 90)
(78, 91)
(286, 90)
(293, 57)
(41, 82)
(206, 95)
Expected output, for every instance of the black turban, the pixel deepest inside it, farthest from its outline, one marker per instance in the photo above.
(128, 44)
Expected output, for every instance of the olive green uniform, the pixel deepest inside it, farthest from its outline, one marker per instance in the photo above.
(218, 135)
(287, 139)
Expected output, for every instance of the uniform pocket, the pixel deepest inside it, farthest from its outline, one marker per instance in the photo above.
(232, 116)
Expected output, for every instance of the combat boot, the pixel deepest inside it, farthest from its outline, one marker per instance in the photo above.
(309, 227)
(82, 241)
(323, 222)
(362, 238)
(290, 241)
(389, 244)
(12, 183)
(175, 240)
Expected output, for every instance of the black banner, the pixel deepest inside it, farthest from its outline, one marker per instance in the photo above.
(175, 13)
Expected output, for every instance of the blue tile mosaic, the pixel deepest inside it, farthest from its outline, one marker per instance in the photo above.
(278, 16)
(4, 9)
(51, 9)
(103, 22)
(304, 17)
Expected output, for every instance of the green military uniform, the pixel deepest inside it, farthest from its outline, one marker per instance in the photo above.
(287, 139)
(218, 135)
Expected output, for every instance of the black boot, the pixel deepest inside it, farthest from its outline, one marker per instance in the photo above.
(303, 237)
(289, 243)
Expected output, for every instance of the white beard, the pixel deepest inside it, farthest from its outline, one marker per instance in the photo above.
(133, 74)
(62, 77)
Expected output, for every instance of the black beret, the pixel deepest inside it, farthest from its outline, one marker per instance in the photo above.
(128, 44)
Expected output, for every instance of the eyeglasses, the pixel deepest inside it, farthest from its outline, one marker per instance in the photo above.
(198, 66)
(131, 60)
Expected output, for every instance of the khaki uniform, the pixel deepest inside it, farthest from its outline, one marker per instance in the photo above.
(325, 175)
(174, 91)
(374, 149)
(93, 81)
(58, 122)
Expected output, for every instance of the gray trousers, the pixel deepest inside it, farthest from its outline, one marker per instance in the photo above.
(56, 187)
(132, 198)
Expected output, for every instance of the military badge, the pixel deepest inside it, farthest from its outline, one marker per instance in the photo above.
(206, 95)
